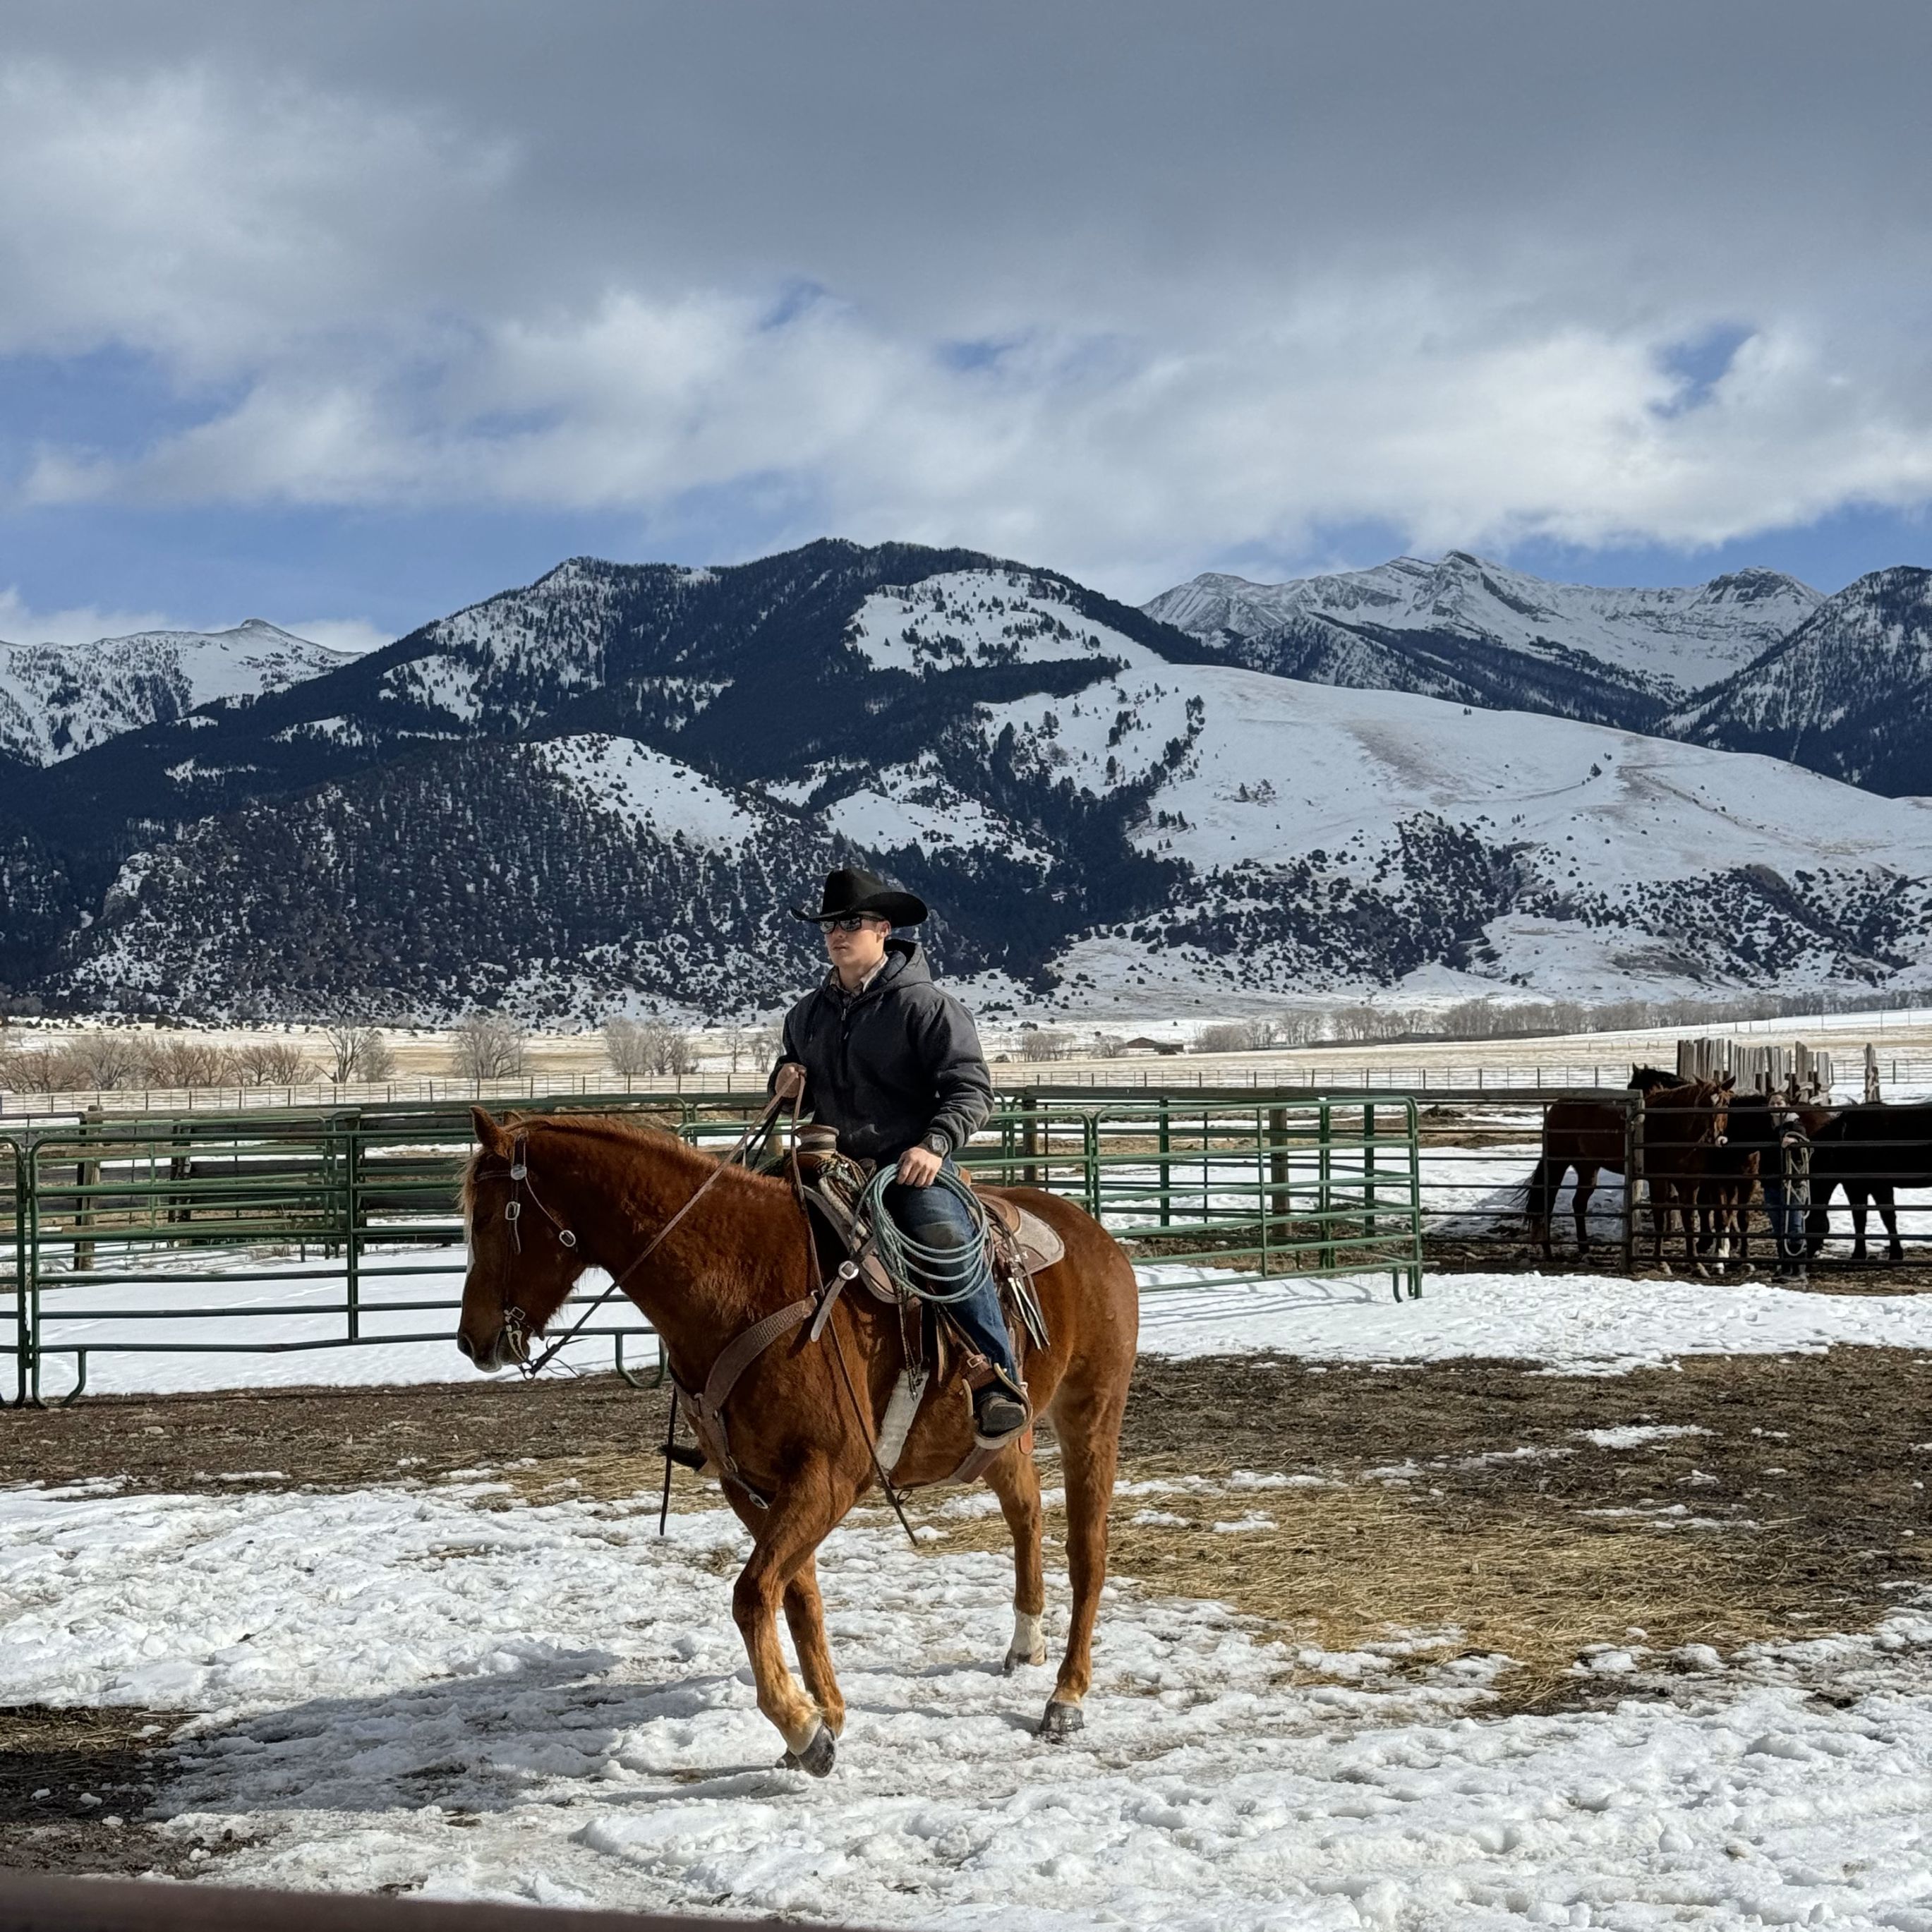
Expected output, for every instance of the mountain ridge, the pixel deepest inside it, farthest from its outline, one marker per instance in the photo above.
(603, 787)
(1847, 693)
(1473, 632)
(57, 701)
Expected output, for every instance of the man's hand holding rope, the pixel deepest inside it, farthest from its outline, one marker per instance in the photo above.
(919, 1167)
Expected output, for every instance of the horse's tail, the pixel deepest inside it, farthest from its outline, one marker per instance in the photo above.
(1539, 1194)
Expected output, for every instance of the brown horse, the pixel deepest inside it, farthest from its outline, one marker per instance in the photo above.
(1683, 1128)
(1752, 1153)
(804, 1417)
(1589, 1136)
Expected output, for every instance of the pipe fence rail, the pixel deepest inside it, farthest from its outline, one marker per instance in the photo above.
(285, 1232)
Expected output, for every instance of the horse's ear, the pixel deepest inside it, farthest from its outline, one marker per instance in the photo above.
(1729, 1081)
(491, 1136)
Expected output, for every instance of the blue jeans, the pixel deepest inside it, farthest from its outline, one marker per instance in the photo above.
(936, 1217)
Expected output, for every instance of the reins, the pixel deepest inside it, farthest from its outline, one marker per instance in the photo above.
(513, 1212)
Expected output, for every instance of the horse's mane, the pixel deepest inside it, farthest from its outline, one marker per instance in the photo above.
(630, 1129)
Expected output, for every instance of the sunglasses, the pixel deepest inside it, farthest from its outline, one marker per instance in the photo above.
(856, 922)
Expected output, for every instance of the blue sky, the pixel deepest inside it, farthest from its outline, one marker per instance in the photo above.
(345, 319)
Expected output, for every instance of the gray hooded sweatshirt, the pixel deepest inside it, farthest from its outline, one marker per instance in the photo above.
(895, 1065)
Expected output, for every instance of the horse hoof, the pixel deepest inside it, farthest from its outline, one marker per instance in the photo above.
(816, 1760)
(1061, 1721)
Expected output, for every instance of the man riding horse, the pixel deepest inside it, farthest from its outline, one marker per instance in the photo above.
(891, 1062)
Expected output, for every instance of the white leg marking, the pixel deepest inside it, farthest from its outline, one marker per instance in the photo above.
(1029, 1643)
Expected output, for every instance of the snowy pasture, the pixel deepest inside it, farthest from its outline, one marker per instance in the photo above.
(484, 1687)
(401, 1688)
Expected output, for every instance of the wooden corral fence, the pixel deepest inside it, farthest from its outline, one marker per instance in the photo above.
(1796, 1071)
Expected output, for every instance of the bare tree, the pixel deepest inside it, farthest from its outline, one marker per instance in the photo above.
(666, 1050)
(186, 1063)
(1298, 1027)
(489, 1046)
(1045, 1043)
(648, 1047)
(355, 1052)
(624, 1046)
(273, 1063)
(101, 1061)
(1237, 1036)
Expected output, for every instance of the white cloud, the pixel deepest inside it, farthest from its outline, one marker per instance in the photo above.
(19, 624)
(1384, 300)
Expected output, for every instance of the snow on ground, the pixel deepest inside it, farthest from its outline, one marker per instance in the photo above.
(1595, 1324)
(1592, 1324)
(981, 617)
(401, 1689)
(915, 804)
(1284, 768)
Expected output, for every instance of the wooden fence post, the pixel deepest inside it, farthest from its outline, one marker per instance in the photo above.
(86, 1174)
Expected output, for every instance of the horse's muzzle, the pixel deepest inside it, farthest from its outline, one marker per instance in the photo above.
(504, 1351)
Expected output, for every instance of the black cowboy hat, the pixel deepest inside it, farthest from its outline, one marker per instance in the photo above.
(848, 891)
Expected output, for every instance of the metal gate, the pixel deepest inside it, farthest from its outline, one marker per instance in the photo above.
(288, 1232)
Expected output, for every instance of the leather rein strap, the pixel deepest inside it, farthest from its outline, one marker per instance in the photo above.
(519, 1177)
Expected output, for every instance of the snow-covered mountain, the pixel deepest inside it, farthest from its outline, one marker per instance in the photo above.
(607, 787)
(1849, 692)
(59, 699)
(1478, 633)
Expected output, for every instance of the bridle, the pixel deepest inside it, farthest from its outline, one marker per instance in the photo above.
(708, 1405)
(516, 1323)
(513, 1208)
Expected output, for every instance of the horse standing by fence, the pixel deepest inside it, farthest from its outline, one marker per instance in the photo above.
(1589, 1136)
(804, 1414)
(1869, 1151)
(1752, 1154)
(1682, 1125)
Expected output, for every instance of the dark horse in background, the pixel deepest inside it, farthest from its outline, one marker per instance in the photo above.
(1588, 1136)
(1753, 1154)
(1869, 1151)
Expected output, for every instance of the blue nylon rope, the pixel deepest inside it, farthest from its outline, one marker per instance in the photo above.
(942, 1276)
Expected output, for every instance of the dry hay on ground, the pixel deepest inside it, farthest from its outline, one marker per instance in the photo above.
(1424, 1515)
(1365, 1566)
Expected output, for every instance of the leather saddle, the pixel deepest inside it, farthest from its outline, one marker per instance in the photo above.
(1019, 1244)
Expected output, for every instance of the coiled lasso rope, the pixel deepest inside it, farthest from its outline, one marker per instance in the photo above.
(940, 1275)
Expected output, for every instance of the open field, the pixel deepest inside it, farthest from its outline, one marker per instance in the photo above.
(1389, 1644)
(425, 1064)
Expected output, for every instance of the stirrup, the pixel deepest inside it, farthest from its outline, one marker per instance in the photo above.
(998, 1415)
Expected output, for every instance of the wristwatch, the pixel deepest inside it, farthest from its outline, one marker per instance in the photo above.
(937, 1143)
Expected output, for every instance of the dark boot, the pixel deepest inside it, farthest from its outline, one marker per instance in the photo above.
(998, 1413)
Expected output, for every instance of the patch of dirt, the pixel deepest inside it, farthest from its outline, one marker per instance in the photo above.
(346, 1439)
(1463, 1495)
(73, 1786)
